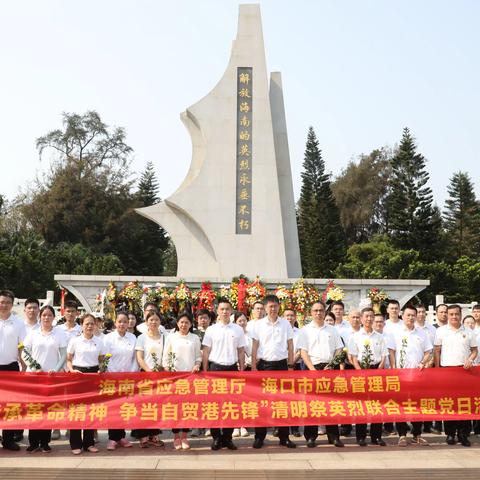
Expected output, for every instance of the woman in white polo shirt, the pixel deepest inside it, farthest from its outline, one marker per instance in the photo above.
(84, 354)
(47, 345)
(121, 345)
(149, 353)
(182, 354)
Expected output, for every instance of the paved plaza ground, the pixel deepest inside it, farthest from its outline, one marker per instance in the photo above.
(438, 460)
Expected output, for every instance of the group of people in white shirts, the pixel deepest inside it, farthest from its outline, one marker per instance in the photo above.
(265, 342)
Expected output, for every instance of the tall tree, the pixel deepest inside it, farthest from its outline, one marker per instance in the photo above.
(462, 217)
(87, 189)
(414, 221)
(91, 145)
(143, 245)
(321, 236)
(148, 189)
(360, 191)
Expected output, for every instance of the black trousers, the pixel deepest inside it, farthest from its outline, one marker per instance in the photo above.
(346, 428)
(222, 433)
(375, 431)
(476, 427)
(311, 431)
(438, 425)
(116, 435)
(402, 428)
(375, 428)
(82, 439)
(7, 435)
(262, 365)
(37, 438)
(297, 366)
(457, 427)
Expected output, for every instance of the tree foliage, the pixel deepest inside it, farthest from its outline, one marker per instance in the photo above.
(148, 188)
(360, 192)
(321, 236)
(462, 217)
(88, 197)
(380, 259)
(90, 145)
(28, 264)
(414, 221)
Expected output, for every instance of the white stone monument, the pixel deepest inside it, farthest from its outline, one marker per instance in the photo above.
(235, 212)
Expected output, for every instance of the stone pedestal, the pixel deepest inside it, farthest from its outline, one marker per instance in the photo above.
(87, 287)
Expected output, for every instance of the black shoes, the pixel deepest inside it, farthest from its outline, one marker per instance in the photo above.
(464, 441)
(362, 442)
(46, 448)
(32, 449)
(311, 443)
(335, 441)
(230, 445)
(450, 440)
(257, 443)
(378, 441)
(11, 446)
(288, 443)
(275, 432)
(217, 444)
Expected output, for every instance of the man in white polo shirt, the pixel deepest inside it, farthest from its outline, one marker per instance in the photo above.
(272, 349)
(455, 346)
(318, 344)
(394, 321)
(12, 332)
(223, 350)
(258, 312)
(31, 310)
(368, 349)
(409, 347)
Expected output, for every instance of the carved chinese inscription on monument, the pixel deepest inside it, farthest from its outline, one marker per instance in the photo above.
(243, 215)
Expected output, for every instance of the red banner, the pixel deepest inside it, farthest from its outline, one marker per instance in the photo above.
(234, 399)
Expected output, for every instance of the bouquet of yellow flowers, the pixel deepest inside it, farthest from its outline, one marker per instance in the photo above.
(112, 292)
(183, 295)
(367, 356)
(285, 297)
(104, 365)
(233, 293)
(377, 297)
(332, 293)
(132, 295)
(304, 296)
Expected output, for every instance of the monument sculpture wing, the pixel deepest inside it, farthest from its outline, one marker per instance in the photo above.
(234, 212)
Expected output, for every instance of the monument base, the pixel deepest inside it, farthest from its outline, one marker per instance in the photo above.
(86, 287)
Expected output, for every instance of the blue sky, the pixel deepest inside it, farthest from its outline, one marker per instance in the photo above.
(358, 71)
